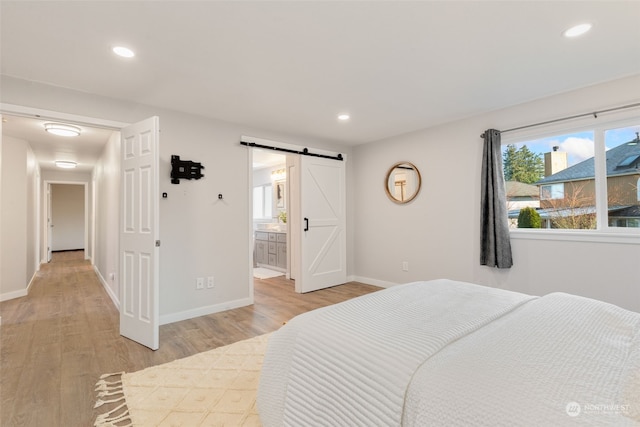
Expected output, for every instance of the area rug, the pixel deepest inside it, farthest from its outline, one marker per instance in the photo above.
(213, 388)
(265, 273)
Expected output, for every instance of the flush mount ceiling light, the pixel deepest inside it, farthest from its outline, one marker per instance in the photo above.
(62, 129)
(66, 164)
(124, 52)
(577, 30)
(343, 117)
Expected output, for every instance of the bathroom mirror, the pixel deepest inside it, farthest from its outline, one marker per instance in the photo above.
(403, 182)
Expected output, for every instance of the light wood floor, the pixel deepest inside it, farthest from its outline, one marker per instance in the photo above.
(58, 340)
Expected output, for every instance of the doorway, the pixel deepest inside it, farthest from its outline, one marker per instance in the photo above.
(271, 200)
(67, 219)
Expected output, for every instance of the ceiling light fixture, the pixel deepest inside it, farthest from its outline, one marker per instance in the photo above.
(66, 164)
(124, 52)
(577, 30)
(343, 117)
(62, 129)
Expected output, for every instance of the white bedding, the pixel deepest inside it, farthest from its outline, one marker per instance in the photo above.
(452, 353)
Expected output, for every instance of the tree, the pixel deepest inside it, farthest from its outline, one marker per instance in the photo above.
(529, 218)
(522, 165)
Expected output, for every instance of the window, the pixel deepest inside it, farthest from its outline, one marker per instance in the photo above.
(552, 191)
(622, 161)
(587, 180)
(262, 202)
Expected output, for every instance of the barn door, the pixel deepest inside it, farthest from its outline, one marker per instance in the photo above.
(323, 222)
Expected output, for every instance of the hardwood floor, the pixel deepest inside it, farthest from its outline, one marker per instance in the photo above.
(58, 340)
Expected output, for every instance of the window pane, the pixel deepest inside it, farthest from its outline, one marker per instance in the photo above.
(268, 201)
(555, 176)
(258, 202)
(623, 176)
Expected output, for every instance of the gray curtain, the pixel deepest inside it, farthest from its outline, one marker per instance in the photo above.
(495, 246)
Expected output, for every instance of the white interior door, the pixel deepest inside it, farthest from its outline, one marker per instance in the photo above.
(323, 237)
(139, 281)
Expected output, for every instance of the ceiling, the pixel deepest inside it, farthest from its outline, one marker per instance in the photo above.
(292, 67)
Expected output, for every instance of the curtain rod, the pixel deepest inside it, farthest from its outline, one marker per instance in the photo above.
(304, 151)
(577, 116)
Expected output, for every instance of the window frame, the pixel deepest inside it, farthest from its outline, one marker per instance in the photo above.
(603, 232)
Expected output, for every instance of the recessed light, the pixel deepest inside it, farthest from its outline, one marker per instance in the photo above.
(577, 30)
(62, 129)
(343, 117)
(124, 52)
(65, 164)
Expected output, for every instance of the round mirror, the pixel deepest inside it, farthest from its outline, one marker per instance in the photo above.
(403, 182)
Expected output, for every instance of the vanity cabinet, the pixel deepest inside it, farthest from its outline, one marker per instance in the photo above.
(271, 250)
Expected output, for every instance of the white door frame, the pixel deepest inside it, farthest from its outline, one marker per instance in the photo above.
(47, 209)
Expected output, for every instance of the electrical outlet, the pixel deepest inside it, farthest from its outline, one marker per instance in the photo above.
(200, 283)
(405, 265)
(210, 282)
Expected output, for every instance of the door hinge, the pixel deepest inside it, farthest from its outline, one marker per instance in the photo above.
(157, 243)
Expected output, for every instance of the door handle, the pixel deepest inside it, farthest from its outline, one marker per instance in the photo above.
(306, 224)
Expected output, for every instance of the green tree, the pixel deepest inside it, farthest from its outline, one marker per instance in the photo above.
(522, 165)
(529, 218)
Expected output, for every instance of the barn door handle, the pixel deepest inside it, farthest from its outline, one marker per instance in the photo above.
(306, 224)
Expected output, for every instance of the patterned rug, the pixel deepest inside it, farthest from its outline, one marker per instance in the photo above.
(213, 388)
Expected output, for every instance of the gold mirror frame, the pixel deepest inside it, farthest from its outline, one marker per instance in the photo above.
(404, 198)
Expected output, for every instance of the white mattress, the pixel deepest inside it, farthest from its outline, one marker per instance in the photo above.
(452, 353)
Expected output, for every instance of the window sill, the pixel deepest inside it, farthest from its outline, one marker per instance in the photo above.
(577, 236)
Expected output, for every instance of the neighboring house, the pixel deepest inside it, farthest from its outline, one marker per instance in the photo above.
(570, 193)
(520, 195)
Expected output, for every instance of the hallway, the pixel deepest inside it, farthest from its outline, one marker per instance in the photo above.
(57, 341)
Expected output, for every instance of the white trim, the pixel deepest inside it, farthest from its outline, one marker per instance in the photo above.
(204, 311)
(48, 183)
(373, 282)
(15, 294)
(19, 110)
(249, 226)
(20, 292)
(106, 287)
(593, 236)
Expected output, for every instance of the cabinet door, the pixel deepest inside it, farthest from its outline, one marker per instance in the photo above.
(262, 252)
(282, 255)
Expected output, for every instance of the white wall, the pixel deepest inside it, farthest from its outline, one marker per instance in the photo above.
(68, 217)
(201, 235)
(438, 233)
(18, 233)
(106, 175)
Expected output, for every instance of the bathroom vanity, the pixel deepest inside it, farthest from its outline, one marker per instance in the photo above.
(271, 249)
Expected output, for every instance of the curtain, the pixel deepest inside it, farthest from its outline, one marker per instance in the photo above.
(495, 246)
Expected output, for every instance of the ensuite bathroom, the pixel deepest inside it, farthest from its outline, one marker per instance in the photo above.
(270, 226)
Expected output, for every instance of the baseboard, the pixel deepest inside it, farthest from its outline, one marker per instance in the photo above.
(204, 311)
(14, 294)
(21, 292)
(373, 282)
(106, 287)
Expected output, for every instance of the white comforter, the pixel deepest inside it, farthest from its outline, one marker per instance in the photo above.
(452, 353)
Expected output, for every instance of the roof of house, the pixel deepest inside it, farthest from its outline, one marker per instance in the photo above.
(621, 160)
(520, 189)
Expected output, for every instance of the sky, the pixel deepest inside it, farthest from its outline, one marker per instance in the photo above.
(579, 146)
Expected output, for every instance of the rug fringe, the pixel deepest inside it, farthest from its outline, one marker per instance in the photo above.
(112, 388)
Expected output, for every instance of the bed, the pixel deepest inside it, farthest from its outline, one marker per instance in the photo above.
(448, 353)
